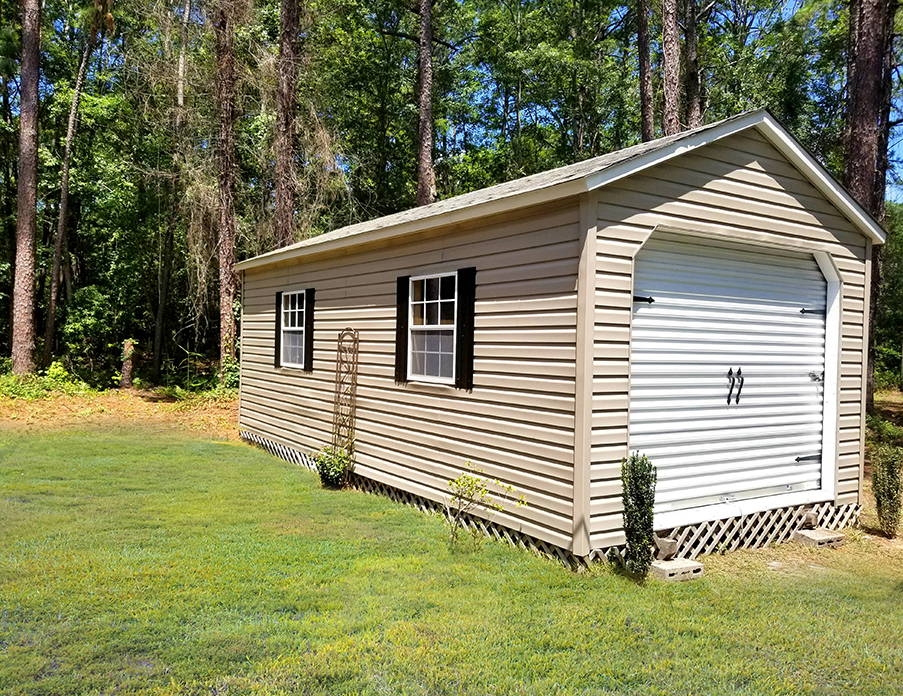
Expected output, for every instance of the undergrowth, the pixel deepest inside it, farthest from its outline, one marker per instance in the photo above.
(54, 381)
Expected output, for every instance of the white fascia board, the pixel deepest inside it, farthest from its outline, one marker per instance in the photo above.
(675, 149)
(821, 179)
(327, 244)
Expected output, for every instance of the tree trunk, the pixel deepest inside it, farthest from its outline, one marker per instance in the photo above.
(692, 92)
(647, 116)
(285, 122)
(26, 195)
(128, 364)
(426, 175)
(670, 68)
(223, 29)
(164, 272)
(63, 216)
(870, 67)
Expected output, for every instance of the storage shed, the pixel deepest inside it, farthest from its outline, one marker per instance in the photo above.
(701, 298)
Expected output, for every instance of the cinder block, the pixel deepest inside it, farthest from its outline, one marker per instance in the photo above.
(677, 570)
(818, 538)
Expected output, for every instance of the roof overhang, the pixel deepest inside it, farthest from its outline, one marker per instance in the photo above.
(398, 225)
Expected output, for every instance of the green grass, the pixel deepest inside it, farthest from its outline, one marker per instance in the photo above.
(138, 561)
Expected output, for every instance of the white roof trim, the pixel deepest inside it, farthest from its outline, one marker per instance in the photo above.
(506, 196)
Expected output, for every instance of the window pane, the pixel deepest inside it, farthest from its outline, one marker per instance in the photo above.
(432, 364)
(447, 362)
(293, 347)
(418, 314)
(448, 288)
(417, 294)
(446, 342)
(447, 313)
(417, 363)
(432, 313)
(432, 288)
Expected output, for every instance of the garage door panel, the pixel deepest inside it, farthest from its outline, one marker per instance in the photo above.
(718, 309)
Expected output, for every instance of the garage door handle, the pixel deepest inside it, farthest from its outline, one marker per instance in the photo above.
(740, 380)
(730, 389)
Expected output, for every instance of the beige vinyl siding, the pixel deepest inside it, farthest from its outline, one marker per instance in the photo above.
(741, 188)
(516, 425)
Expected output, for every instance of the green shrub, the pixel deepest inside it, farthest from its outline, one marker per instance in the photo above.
(881, 431)
(334, 465)
(887, 461)
(638, 477)
(54, 381)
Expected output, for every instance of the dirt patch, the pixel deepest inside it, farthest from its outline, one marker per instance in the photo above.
(212, 418)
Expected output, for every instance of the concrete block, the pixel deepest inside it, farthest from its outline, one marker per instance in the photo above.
(818, 538)
(665, 548)
(676, 570)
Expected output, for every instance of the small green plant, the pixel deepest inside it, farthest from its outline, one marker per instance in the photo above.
(55, 380)
(887, 461)
(334, 465)
(470, 491)
(883, 431)
(638, 478)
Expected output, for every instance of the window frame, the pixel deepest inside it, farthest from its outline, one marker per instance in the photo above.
(428, 379)
(292, 329)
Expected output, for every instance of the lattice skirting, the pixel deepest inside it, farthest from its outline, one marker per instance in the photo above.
(485, 527)
(758, 529)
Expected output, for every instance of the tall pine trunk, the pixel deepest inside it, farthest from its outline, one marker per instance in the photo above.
(224, 37)
(26, 195)
(164, 272)
(692, 91)
(670, 67)
(59, 239)
(647, 115)
(870, 67)
(426, 175)
(286, 186)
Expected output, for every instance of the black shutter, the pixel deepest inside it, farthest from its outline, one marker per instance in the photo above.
(402, 288)
(467, 287)
(277, 335)
(309, 330)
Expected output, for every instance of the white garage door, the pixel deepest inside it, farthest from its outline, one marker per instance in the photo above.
(727, 369)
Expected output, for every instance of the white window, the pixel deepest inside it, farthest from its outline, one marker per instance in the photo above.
(431, 340)
(292, 328)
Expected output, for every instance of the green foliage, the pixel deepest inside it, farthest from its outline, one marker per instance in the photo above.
(882, 431)
(55, 381)
(470, 492)
(638, 477)
(887, 485)
(334, 464)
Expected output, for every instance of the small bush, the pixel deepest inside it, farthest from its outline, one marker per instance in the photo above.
(638, 477)
(334, 465)
(881, 431)
(470, 491)
(54, 381)
(887, 461)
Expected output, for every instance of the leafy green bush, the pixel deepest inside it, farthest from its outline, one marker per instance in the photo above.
(882, 431)
(638, 478)
(888, 374)
(334, 465)
(54, 381)
(887, 486)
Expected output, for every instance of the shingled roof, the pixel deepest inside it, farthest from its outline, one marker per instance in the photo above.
(574, 179)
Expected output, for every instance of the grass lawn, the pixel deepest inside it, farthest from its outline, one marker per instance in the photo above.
(142, 559)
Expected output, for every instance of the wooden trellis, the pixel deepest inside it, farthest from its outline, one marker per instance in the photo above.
(345, 403)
